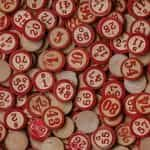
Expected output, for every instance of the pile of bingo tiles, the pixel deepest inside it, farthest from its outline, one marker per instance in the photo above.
(74, 74)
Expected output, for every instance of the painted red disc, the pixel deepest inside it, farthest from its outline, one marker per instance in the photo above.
(8, 6)
(110, 107)
(78, 59)
(141, 26)
(142, 103)
(64, 90)
(43, 81)
(52, 60)
(37, 104)
(113, 88)
(129, 105)
(85, 98)
(20, 60)
(8, 42)
(109, 28)
(138, 44)
(140, 127)
(132, 68)
(119, 44)
(84, 13)
(124, 134)
(34, 30)
(103, 134)
(59, 37)
(37, 129)
(83, 35)
(64, 8)
(94, 77)
(139, 9)
(53, 118)
(20, 84)
(20, 17)
(15, 119)
(79, 141)
(100, 52)
(48, 18)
